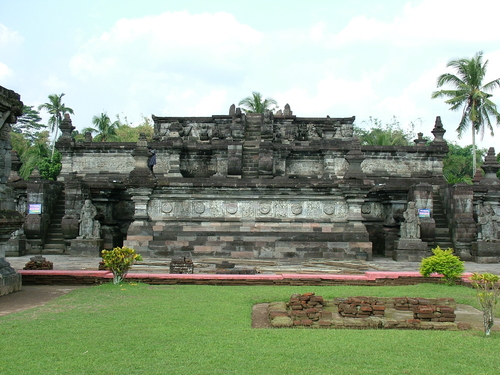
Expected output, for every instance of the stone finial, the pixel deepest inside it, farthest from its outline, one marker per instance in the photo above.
(287, 111)
(35, 175)
(142, 142)
(420, 141)
(88, 137)
(67, 128)
(279, 113)
(490, 165)
(478, 176)
(438, 131)
(232, 110)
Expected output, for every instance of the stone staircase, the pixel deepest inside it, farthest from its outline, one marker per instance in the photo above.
(250, 162)
(54, 240)
(443, 235)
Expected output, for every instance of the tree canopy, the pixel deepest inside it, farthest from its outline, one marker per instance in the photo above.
(56, 108)
(257, 104)
(104, 128)
(389, 134)
(471, 96)
(29, 124)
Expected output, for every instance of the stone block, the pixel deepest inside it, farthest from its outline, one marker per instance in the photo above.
(90, 247)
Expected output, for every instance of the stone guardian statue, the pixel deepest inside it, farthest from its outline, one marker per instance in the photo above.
(89, 226)
(410, 228)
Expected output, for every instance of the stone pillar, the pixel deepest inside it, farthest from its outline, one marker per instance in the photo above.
(140, 185)
(463, 225)
(174, 157)
(10, 220)
(355, 157)
(140, 231)
(65, 145)
(355, 231)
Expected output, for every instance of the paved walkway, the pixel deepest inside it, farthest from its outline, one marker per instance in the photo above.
(206, 265)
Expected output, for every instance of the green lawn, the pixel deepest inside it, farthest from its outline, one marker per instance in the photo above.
(142, 329)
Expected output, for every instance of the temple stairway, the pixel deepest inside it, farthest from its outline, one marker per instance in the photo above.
(54, 240)
(250, 157)
(443, 235)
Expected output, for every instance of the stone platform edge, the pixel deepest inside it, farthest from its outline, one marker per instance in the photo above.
(61, 277)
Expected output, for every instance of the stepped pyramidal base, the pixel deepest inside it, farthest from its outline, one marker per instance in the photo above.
(410, 250)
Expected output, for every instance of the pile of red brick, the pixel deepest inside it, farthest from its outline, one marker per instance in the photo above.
(360, 307)
(428, 309)
(304, 309)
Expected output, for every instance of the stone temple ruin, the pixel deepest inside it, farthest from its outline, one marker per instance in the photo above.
(257, 186)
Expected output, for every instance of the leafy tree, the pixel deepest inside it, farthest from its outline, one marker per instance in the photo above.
(37, 154)
(257, 104)
(105, 129)
(390, 134)
(457, 165)
(56, 108)
(29, 123)
(470, 95)
(128, 133)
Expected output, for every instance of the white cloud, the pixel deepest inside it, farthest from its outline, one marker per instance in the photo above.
(5, 72)
(8, 37)
(55, 83)
(427, 22)
(170, 40)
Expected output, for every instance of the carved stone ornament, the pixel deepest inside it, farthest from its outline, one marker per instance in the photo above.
(167, 208)
(199, 207)
(296, 209)
(231, 208)
(265, 208)
(329, 209)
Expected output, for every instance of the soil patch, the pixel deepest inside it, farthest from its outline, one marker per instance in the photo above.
(33, 296)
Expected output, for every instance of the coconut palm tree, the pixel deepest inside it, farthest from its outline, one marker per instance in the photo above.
(56, 108)
(256, 104)
(105, 129)
(470, 95)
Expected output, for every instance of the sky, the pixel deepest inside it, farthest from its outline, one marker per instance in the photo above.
(195, 58)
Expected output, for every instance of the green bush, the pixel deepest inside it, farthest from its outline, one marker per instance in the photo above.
(444, 263)
(119, 260)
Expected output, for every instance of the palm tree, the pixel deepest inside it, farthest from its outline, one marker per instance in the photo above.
(56, 108)
(256, 104)
(471, 95)
(105, 129)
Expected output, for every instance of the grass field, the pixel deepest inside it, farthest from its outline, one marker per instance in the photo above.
(143, 329)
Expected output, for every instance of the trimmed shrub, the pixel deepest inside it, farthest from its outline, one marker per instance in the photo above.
(119, 260)
(445, 263)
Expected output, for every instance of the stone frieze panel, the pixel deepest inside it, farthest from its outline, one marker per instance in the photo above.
(328, 210)
(95, 163)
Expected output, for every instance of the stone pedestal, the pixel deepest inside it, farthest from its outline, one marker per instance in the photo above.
(410, 250)
(486, 252)
(90, 247)
(10, 280)
(15, 247)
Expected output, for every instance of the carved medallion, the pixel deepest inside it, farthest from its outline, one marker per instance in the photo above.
(265, 208)
(296, 209)
(366, 208)
(167, 208)
(231, 208)
(329, 209)
(199, 207)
